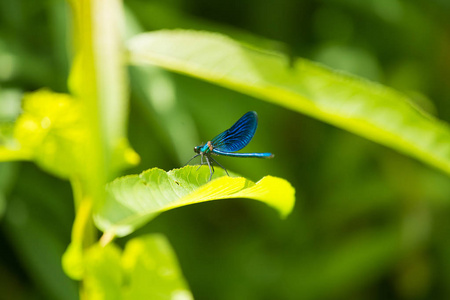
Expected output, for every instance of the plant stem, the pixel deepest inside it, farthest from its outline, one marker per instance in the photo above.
(98, 80)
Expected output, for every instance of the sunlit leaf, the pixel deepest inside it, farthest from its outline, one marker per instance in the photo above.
(50, 131)
(72, 261)
(152, 271)
(359, 106)
(146, 269)
(103, 275)
(134, 200)
(10, 149)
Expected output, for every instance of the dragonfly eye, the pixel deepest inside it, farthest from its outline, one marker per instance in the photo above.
(197, 149)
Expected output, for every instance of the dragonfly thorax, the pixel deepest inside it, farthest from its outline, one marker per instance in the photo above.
(204, 149)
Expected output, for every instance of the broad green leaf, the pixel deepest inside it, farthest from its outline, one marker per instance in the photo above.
(158, 15)
(134, 200)
(146, 269)
(354, 104)
(152, 271)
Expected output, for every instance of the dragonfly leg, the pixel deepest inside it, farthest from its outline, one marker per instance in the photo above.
(210, 168)
(220, 165)
(191, 159)
(201, 161)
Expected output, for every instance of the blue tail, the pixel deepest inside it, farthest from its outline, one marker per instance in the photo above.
(258, 155)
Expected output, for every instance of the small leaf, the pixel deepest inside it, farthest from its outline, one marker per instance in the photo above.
(103, 276)
(72, 261)
(134, 200)
(152, 271)
(371, 110)
(51, 132)
(146, 269)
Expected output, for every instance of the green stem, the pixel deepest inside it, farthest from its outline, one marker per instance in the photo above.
(83, 231)
(98, 80)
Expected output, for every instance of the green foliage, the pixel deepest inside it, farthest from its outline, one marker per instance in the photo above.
(359, 106)
(146, 269)
(369, 218)
(81, 138)
(49, 131)
(133, 200)
(151, 270)
(103, 276)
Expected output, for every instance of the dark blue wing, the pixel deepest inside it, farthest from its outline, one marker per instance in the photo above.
(239, 135)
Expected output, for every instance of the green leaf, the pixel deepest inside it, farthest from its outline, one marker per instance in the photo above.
(103, 275)
(134, 200)
(50, 131)
(72, 261)
(152, 270)
(354, 104)
(146, 269)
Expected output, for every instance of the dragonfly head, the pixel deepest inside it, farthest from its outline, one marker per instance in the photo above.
(197, 149)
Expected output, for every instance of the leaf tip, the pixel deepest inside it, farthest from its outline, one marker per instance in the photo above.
(280, 194)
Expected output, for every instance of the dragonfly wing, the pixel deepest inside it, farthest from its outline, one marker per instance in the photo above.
(237, 136)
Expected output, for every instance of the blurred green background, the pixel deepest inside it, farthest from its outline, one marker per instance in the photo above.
(369, 223)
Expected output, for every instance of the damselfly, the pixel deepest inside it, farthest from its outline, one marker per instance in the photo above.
(228, 142)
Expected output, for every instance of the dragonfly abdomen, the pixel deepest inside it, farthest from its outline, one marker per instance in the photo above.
(234, 154)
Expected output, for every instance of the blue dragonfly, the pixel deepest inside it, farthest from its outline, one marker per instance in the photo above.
(228, 142)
